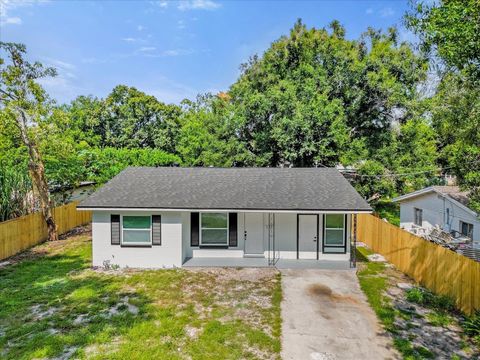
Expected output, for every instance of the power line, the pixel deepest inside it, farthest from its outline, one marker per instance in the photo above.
(401, 174)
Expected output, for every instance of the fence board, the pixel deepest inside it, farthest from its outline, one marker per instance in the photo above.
(435, 267)
(19, 234)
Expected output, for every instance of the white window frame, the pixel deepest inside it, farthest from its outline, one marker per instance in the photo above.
(325, 244)
(200, 227)
(135, 243)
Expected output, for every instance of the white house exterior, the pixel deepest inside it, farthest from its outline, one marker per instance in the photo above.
(442, 206)
(162, 217)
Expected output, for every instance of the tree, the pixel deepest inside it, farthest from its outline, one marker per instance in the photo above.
(450, 34)
(314, 93)
(23, 99)
(207, 135)
(133, 119)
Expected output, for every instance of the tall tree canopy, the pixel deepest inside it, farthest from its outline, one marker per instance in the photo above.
(314, 95)
(450, 33)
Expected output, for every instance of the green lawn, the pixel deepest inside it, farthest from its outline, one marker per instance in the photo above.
(53, 305)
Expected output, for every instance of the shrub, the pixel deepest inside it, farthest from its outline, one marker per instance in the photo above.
(415, 295)
(427, 298)
(471, 325)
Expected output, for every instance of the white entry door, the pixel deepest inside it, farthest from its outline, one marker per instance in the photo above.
(307, 236)
(254, 234)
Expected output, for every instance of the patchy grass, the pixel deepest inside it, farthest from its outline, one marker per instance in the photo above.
(422, 325)
(52, 304)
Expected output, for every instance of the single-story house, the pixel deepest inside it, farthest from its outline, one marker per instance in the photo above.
(165, 216)
(442, 206)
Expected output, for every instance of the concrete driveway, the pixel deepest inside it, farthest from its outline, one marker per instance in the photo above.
(326, 316)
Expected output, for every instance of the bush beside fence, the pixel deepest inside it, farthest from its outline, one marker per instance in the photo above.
(19, 234)
(435, 267)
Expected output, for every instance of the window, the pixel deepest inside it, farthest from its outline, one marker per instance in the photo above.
(334, 230)
(466, 229)
(136, 230)
(417, 216)
(214, 229)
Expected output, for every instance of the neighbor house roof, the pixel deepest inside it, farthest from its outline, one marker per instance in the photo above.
(313, 189)
(452, 192)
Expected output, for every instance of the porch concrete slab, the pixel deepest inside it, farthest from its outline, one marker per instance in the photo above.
(263, 262)
(325, 315)
(312, 264)
(225, 262)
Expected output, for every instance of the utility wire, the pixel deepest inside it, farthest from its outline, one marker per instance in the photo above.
(403, 174)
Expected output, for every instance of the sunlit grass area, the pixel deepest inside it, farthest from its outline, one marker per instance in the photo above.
(52, 304)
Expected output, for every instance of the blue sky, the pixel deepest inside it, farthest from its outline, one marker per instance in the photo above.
(172, 50)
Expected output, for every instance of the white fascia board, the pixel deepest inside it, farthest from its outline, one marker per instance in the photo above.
(413, 194)
(230, 210)
(431, 189)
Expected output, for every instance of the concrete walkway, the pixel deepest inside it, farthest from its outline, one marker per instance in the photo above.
(326, 316)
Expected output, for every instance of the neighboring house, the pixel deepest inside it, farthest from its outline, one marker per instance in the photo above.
(162, 217)
(442, 206)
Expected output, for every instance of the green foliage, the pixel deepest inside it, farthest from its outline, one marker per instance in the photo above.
(451, 29)
(450, 32)
(103, 164)
(14, 187)
(389, 210)
(314, 93)
(472, 325)
(427, 298)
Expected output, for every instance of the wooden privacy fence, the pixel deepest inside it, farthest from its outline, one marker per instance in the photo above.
(19, 234)
(434, 267)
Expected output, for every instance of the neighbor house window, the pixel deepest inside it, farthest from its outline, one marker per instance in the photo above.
(137, 230)
(466, 229)
(214, 229)
(417, 216)
(334, 230)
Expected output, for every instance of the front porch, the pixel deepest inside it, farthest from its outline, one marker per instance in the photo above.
(241, 262)
(286, 240)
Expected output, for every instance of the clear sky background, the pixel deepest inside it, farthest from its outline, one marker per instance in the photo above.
(172, 50)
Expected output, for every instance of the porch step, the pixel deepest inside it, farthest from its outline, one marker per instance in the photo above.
(253, 255)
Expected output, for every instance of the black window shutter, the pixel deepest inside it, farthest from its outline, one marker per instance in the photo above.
(194, 228)
(156, 230)
(115, 229)
(232, 229)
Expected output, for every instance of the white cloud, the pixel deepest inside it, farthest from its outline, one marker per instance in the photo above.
(181, 24)
(161, 4)
(11, 20)
(369, 11)
(140, 27)
(131, 39)
(147, 48)
(59, 63)
(198, 5)
(7, 6)
(386, 12)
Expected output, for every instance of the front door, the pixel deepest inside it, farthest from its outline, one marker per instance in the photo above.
(307, 236)
(254, 234)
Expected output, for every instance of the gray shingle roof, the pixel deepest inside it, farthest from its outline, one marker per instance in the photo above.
(228, 188)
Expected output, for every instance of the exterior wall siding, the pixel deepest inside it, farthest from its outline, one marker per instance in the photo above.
(175, 247)
(434, 209)
(169, 254)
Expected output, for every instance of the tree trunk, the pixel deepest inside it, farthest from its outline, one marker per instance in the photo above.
(37, 174)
